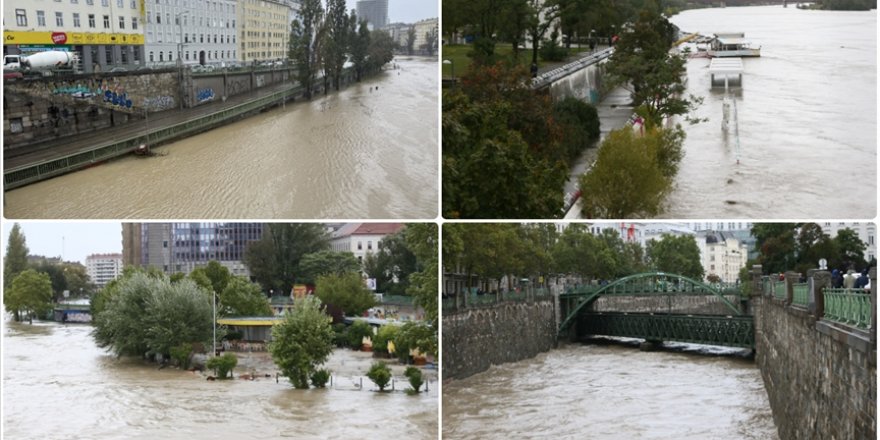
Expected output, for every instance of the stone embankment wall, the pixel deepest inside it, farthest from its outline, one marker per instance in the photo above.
(585, 84)
(820, 377)
(477, 338)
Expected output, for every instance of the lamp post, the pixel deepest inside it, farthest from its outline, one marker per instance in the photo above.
(180, 54)
(452, 65)
(214, 309)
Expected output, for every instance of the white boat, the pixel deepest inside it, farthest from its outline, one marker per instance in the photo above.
(732, 45)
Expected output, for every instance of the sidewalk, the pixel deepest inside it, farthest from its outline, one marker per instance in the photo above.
(55, 148)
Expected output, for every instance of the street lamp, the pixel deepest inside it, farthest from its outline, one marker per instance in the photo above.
(453, 70)
(214, 308)
(180, 54)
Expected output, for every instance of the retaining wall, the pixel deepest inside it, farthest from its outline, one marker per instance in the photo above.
(477, 338)
(821, 378)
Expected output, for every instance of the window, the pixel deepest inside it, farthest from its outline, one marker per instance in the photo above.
(91, 20)
(134, 23)
(120, 3)
(360, 246)
(20, 17)
(59, 19)
(105, 3)
(106, 22)
(121, 22)
(151, 56)
(161, 56)
(41, 18)
(370, 245)
(73, 2)
(76, 20)
(90, 2)
(158, 18)
(134, 4)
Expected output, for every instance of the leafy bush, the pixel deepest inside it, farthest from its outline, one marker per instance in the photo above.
(320, 378)
(552, 51)
(222, 364)
(356, 333)
(181, 354)
(385, 334)
(415, 377)
(340, 335)
(380, 374)
(302, 341)
(580, 124)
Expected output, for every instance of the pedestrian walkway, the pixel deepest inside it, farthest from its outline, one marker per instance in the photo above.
(65, 146)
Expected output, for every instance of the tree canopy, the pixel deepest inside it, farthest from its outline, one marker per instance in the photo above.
(274, 260)
(677, 254)
(15, 261)
(345, 291)
(29, 294)
(302, 341)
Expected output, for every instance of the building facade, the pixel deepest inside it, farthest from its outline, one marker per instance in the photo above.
(362, 238)
(195, 31)
(867, 232)
(103, 268)
(264, 30)
(423, 28)
(722, 254)
(374, 11)
(182, 247)
(104, 34)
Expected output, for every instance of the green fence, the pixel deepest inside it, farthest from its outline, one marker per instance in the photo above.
(779, 289)
(800, 294)
(848, 306)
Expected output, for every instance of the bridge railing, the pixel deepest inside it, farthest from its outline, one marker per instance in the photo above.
(848, 306)
(800, 294)
(779, 290)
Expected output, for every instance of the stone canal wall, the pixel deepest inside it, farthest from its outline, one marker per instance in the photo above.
(820, 377)
(682, 304)
(474, 339)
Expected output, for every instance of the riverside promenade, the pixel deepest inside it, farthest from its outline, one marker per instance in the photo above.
(54, 157)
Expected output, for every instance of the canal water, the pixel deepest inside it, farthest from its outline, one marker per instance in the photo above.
(356, 153)
(807, 119)
(604, 392)
(58, 385)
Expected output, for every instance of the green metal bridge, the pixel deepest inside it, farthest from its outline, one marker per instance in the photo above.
(658, 306)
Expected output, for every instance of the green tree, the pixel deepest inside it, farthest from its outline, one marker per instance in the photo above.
(29, 295)
(120, 324)
(423, 240)
(776, 243)
(415, 335)
(580, 122)
(392, 264)
(15, 261)
(514, 16)
(381, 50)
(243, 298)
(676, 254)
(356, 333)
(410, 40)
(217, 275)
(337, 40)
(327, 262)
(631, 175)
(302, 341)
(383, 336)
(851, 248)
(430, 42)
(380, 374)
(415, 378)
(346, 291)
(542, 15)
(274, 260)
(303, 47)
(360, 46)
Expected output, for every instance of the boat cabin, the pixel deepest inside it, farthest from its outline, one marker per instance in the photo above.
(732, 45)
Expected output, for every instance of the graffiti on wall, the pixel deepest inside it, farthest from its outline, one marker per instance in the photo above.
(206, 94)
(158, 103)
(236, 86)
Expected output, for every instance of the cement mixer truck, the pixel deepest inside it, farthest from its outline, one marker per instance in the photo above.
(42, 62)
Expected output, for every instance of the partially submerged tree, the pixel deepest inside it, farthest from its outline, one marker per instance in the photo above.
(302, 341)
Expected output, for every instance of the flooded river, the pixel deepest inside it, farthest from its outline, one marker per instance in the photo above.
(807, 119)
(605, 392)
(356, 153)
(58, 385)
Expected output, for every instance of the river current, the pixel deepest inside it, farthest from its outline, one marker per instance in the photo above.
(604, 392)
(58, 385)
(367, 151)
(807, 114)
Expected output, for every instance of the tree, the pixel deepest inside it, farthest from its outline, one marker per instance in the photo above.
(423, 239)
(642, 59)
(381, 50)
(302, 341)
(243, 298)
(542, 15)
(430, 41)
(514, 18)
(392, 264)
(776, 243)
(414, 335)
(347, 292)
(304, 42)
(676, 254)
(360, 46)
(150, 315)
(15, 261)
(851, 248)
(337, 40)
(274, 260)
(356, 332)
(415, 378)
(380, 374)
(410, 40)
(216, 274)
(327, 262)
(29, 295)
(626, 180)
(223, 365)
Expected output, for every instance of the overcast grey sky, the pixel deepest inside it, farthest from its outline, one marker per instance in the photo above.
(407, 11)
(76, 239)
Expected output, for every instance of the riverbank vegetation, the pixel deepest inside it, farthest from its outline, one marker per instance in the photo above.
(322, 39)
(302, 341)
(493, 252)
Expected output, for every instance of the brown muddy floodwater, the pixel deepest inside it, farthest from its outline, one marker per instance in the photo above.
(602, 392)
(58, 385)
(356, 153)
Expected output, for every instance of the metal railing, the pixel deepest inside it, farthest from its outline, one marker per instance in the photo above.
(848, 306)
(800, 294)
(779, 290)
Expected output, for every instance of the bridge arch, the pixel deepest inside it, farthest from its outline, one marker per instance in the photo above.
(648, 283)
